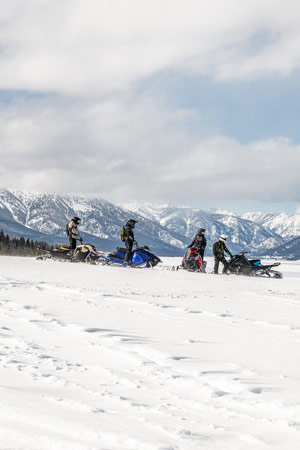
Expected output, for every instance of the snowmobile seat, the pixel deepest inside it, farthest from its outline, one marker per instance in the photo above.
(255, 262)
(82, 251)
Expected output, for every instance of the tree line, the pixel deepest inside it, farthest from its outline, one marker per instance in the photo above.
(20, 246)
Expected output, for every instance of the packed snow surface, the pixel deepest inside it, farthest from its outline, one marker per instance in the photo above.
(113, 358)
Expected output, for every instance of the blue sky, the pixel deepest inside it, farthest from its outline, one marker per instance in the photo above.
(192, 103)
(247, 110)
(251, 110)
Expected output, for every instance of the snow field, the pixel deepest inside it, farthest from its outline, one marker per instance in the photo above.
(111, 358)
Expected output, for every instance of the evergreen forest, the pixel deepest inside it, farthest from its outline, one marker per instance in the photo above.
(20, 246)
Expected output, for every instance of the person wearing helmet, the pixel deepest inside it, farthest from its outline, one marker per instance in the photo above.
(73, 232)
(129, 238)
(199, 242)
(219, 248)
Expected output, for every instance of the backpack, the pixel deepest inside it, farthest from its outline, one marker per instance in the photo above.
(123, 234)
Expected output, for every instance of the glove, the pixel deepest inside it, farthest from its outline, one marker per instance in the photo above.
(135, 243)
(81, 241)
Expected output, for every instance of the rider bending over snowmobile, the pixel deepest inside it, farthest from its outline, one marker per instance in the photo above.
(199, 242)
(73, 232)
(128, 237)
(219, 248)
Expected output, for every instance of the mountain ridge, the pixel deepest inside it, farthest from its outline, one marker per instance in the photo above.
(166, 228)
(286, 225)
(47, 214)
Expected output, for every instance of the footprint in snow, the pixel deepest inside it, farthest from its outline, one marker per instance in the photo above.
(256, 390)
(178, 358)
(98, 330)
(219, 394)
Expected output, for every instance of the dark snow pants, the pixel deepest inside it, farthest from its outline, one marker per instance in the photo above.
(201, 253)
(217, 262)
(128, 245)
(72, 243)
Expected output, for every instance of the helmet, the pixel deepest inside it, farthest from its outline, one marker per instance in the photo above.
(76, 220)
(201, 230)
(131, 223)
(222, 238)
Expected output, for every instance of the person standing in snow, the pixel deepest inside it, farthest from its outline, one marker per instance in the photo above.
(73, 232)
(219, 248)
(199, 242)
(127, 237)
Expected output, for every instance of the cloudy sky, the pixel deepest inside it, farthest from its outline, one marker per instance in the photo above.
(192, 102)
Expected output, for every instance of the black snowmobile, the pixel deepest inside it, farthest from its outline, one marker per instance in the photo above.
(192, 261)
(66, 254)
(58, 253)
(240, 265)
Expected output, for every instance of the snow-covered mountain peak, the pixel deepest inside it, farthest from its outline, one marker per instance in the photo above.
(286, 225)
(223, 212)
(153, 211)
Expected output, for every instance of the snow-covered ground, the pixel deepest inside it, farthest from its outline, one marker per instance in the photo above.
(105, 358)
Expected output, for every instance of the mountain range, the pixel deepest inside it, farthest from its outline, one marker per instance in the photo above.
(287, 226)
(166, 229)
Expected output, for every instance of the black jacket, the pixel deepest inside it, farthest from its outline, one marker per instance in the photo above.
(128, 234)
(199, 242)
(219, 248)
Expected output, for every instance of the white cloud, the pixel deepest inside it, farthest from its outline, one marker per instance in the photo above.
(139, 151)
(94, 47)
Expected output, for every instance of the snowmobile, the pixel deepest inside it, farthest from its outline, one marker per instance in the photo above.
(140, 257)
(192, 261)
(66, 254)
(240, 265)
(58, 253)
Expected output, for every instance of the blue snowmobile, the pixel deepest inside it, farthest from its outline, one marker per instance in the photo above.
(140, 257)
